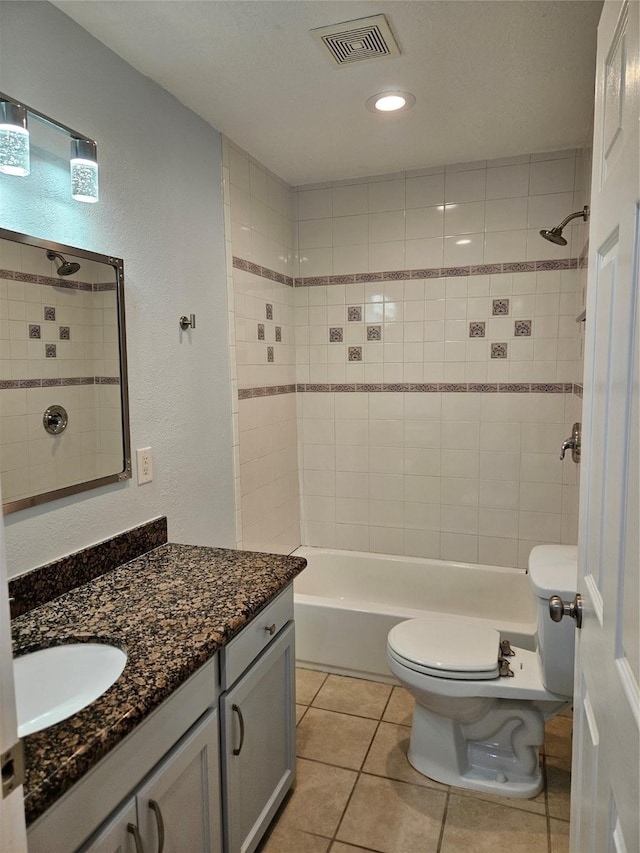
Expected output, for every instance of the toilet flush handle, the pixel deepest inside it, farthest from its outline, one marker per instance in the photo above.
(559, 608)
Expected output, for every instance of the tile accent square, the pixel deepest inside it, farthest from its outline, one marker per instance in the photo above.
(477, 329)
(49, 313)
(522, 328)
(34, 331)
(500, 307)
(50, 351)
(355, 353)
(269, 311)
(499, 350)
(65, 333)
(374, 333)
(260, 331)
(336, 335)
(279, 334)
(354, 313)
(270, 353)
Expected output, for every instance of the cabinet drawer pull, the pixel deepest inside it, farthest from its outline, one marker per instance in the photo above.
(155, 808)
(133, 829)
(271, 629)
(236, 708)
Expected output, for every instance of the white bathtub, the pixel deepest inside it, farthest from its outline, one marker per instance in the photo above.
(346, 602)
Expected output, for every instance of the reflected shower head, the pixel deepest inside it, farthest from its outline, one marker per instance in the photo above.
(554, 235)
(66, 267)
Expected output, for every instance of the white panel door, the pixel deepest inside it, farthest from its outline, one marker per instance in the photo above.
(605, 788)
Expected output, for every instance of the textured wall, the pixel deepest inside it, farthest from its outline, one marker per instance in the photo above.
(161, 210)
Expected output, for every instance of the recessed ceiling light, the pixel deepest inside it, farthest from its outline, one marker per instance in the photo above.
(388, 102)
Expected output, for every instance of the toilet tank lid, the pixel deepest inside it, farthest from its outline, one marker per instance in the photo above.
(553, 569)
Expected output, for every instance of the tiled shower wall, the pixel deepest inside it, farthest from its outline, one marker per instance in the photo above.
(260, 237)
(58, 345)
(438, 352)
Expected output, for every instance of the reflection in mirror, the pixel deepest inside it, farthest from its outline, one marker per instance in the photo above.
(64, 423)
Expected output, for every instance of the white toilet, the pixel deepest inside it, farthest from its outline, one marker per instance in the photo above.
(473, 726)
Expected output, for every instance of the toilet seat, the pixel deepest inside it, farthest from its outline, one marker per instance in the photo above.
(444, 648)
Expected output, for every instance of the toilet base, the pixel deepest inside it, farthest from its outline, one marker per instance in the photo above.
(497, 754)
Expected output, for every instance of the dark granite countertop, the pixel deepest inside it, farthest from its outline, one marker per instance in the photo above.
(171, 610)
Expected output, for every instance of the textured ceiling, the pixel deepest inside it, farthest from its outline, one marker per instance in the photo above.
(491, 79)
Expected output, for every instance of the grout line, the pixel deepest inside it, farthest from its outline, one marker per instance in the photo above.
(444, 820)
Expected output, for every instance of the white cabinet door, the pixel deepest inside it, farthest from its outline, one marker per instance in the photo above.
(118, 834)
(258, 743)
(178, 807)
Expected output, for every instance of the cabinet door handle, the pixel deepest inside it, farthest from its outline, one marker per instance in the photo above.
(155, 808)
(271, 629)
(236, 708)
(133, 829)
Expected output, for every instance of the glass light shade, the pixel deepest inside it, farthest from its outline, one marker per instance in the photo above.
(14, 139)
(84, 171)
(388, 103)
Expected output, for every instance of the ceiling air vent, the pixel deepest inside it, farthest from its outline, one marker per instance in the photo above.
(355, 41)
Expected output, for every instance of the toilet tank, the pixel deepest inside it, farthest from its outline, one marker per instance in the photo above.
(553, 570)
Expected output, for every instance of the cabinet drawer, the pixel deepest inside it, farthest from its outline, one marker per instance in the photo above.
(254, 637)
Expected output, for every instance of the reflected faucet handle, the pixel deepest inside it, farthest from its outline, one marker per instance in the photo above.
(573, 443)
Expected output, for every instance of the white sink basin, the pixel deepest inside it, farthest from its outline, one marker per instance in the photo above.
(54, 683)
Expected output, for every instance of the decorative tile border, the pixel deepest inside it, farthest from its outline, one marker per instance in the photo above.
(437, 272)
(48, 281)
(578, 390)
(11, 384)
(268, 391)
(263, 272)
(418, 387)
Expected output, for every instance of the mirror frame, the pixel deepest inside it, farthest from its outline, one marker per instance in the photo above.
(117, 265)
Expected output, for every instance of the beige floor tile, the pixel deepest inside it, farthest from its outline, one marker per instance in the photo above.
(388, 757)
(319, 799)
(300, 712)
(558, 788)
(400, 707)
(308, 682)
(475, 825)
(353, 696)
(339, 847)
(334, 738)
(392, 817)
(559, 836)
(288, 840)
(537, 805)
(557, 739)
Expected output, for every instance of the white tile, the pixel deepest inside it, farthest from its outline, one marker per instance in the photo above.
(386, 405)
(386, 256)
(459, 491)
(494, 551)
(463, 218)
(315, 262)
(386, 195)
(422, 543)
(387, 460)
(457, 546)
(507, 214)
(505, 246)
(499, 465)
(459, 519)
(386, 487)
(351, 459)
(540, 525)
(546, 211)
(423, 407)
(541, 497)
(464, 250)
(352, 510)
(352, 537)
(502, 494)
(349, 432)
(314, 233)
(508, 181)
(387, 226)
(424, 253)
(425, 191)
(350, 259)
(498, 523)
(314, 204)
(320, 483)
(465, 186)
(552, 176)
(350, 200)
(459, 463)
(540, 468)
(421, 462)
(386, 540)
(424, 222)
(349, 230)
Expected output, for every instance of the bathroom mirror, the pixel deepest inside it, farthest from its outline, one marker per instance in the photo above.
(64, 418)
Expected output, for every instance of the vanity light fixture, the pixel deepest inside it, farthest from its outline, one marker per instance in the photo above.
(14, 148)
(388, 102)
(14, 139)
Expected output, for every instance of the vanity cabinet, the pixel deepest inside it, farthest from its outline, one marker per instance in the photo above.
(177, 808)
(258, 743)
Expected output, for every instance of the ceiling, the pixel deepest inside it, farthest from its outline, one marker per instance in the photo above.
(492, 78)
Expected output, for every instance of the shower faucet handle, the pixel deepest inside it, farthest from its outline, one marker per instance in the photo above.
(573, 443)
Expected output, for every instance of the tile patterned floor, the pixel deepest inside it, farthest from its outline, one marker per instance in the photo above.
(357, 793)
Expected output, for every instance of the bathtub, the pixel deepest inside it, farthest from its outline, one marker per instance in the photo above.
(346, 602)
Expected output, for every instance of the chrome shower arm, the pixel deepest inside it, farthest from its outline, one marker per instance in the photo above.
(584, 213)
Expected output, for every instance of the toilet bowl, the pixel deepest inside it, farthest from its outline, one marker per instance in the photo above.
(480, 706)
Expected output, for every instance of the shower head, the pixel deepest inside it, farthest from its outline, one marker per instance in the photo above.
(66, 267)
(554, 235)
